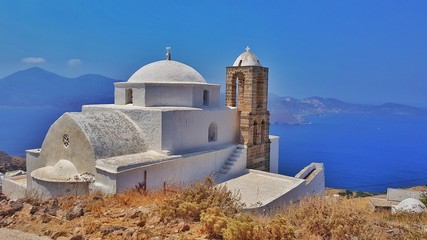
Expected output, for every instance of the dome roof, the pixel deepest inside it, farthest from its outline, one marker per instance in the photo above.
(63, 170)
(166, 71)
(247, 59)
(410, 205)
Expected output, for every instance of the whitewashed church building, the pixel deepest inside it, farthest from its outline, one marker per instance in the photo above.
(165, 128)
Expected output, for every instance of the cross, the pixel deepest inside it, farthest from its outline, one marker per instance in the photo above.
(168, 53)
(247, 49)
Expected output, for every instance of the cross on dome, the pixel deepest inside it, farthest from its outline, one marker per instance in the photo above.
(168, 53)
(247, 48)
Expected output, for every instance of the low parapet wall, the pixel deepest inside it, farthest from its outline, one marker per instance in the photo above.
(314, 176)
(15, 187)
(398, 195)
(265, 192)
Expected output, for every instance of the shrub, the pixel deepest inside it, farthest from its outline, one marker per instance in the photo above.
(214, 221)
(279, 228)
(331, 220)
(242, 227)
(423, 198)
(199, 197)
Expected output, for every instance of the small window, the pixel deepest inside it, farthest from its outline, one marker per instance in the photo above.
(263, 131)
(66, 140)
(205, 98)
(240, 63)
(213, 132)
(129, 96)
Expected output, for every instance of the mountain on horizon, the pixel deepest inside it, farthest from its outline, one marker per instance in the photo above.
(289, 110)
(38, 87)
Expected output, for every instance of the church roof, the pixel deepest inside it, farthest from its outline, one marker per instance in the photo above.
(103, 129)
(166, 71)
(247, 59)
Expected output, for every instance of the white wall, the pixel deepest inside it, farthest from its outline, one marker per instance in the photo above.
(167, 94)
(179, 171)
(187, 130)
(274, 153)
(52, 189)
(119, 96)
(314, 176)
(214, 95)
(398, 195)
(174, 95)
(14, 187)
(33, 162)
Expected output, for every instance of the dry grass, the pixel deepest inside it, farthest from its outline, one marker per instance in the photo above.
(205, 211)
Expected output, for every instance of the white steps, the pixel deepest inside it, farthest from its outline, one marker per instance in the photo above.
(229, 163)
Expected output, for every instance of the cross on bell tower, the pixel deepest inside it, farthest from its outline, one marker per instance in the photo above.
(247, 89)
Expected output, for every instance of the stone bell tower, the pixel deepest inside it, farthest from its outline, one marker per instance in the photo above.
(247, 89)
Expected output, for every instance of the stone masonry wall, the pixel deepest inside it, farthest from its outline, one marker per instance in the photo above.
(247, 89)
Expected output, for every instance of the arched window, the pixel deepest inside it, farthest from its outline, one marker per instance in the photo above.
(129, 96)
(259, 91)
(236, 90)
(205, 98)
(213, 132)
(263, 132)
(255, 133)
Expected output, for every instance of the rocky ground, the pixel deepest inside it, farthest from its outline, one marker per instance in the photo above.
(129, 216)
(200, 212)
(11, 163)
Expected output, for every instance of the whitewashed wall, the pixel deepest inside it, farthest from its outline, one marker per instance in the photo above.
(187, 131)
(274, 154)
(179, 171)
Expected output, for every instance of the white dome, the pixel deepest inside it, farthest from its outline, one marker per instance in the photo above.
(247, 59)
(63, 170)
(410, 205)
(166, 71)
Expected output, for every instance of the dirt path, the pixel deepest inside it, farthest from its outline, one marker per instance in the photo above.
(12, 234)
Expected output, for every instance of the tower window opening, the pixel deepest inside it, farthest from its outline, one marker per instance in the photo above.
(263, 131)
(213, 132)
(240, 63)
(255, 134)
(205, 98)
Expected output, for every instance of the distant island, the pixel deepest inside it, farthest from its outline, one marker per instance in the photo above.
(38, 87)
(289, 110)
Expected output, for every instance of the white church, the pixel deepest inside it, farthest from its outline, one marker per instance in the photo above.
(168, 128)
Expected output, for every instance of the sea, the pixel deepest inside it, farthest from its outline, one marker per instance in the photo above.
(361, 152)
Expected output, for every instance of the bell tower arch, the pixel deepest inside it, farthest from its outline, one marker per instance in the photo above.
(247, 89)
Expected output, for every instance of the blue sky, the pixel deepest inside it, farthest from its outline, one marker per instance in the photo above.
(366, 51)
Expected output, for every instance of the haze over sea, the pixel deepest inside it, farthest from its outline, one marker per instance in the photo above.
(366, 152)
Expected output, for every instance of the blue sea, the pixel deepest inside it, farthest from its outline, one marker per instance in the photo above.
(366, 152)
